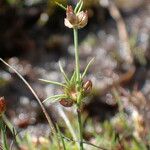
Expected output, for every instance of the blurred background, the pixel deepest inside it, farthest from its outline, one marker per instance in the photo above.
(33, 39)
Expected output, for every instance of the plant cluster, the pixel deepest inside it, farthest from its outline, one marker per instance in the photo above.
(74, 90)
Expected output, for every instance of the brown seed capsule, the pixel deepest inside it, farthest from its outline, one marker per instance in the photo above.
(74, 20)
(82, 19)
(66, 102)
(2, 105)
(87, 86)
(70, 15)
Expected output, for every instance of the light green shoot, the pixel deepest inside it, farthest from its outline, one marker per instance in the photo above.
(78, 6)
(73, 78)
(61, 136)
(55, 97)
(63, 72)
(3, 136)
(53, 82)
(60, 5)
(87, 67)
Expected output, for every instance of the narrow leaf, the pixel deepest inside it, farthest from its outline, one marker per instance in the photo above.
(63, 72)
(53, 82)
(73, 77)
(87, 67)
(77, 6)
(3, 136)
(60, 5)
(62, 139)
(55, 97)
(81, 5)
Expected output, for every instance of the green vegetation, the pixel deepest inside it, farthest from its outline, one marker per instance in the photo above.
(113, 134)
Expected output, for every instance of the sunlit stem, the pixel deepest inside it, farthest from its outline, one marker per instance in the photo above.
(80, 128)
(75, 31)
(78, 81)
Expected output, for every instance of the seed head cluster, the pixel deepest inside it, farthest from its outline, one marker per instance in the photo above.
(71, 93)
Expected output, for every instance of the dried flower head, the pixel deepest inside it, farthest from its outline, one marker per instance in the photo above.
(2, 105)
(73, 20)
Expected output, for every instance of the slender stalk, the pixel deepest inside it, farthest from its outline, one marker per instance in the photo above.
(11, 128)
(37, 98)
(3, 135)
(85, 142)
(80, 129)
(75, 31)
(61, 136)
(77, 69)
(68, 123)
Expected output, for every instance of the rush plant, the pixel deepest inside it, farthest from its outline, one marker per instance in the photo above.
(75, 89)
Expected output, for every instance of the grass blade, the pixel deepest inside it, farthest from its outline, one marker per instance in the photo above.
(53, 82)
(60, 5)
(81, 5)
(3, 136)
(87, 67)
(62, 139)
(73, 78)
(63, 72)
(68, 124)
(77, 6)
(55, 97)
(11, 128)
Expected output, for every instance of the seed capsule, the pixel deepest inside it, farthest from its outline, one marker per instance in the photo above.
(87, 86)
(75, 20)
(72, 18)
(2, 105)
(66, 102)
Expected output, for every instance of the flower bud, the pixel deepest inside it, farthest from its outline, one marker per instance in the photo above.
(87, 86)
(73, 20)
(66, 102)
(2, 105)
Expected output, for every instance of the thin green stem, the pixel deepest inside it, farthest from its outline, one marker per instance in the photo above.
(60, 5)
(3, 135)
(11, 128)
(80, 129)
(61, 136)
(68, 123)
(78, 81)
(75, 31)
